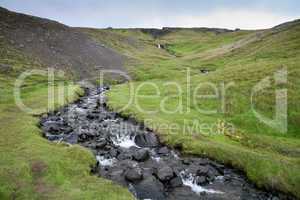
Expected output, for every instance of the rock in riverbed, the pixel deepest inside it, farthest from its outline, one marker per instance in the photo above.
(146, 140)
(141, 155)
(165, 173)
(133, 175)
(150, 188)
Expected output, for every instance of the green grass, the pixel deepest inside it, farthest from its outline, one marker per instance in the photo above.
(31, 167)
(189, 42)
(271, 159)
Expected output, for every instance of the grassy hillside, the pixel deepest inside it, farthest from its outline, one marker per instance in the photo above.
(191, 42)
(31, 166)
(269, 158)
(57, 45)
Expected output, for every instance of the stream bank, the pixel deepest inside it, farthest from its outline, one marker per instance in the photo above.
(132, 155)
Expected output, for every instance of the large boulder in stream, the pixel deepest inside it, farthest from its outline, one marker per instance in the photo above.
(101, 143)
(141, 155)
(134, 174)
(150, 188)
(146, 140)
(165, 173)
(176, 182)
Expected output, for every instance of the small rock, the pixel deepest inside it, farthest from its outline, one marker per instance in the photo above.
(176, 182)
(127, 164)
(82, 137)
(66, 130)
(92, 146)
(165, 173)
(118, 176)
(203, 162)
(101, 144)
(148, 172)
(150, 188)
(219, 167)
(212, 174)
(201, 180)
(186, 162)
(134, 174)
(203, 171)
(53, 137)
(113, 153)
(72, 138)
(52, 129)
(125, 156)
(92, 116)
(141, 155)
(146, 140)
(163, 150)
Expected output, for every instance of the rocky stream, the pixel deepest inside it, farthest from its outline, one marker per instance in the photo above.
(131, 155)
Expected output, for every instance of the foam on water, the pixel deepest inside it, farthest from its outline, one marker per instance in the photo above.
(189, 180)
(124, 141)
(106, 162)
(110, 120)
(220, 178)
(157, 159)
(175, 155)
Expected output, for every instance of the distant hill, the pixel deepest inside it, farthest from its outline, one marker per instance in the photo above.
(56, 45)
(166, 30)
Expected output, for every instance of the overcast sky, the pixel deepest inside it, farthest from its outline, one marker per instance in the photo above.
(246, 14)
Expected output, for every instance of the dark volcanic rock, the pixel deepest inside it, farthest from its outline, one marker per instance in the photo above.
(125, 156)
(113, 153)
(134, 174)
(165, 173)
(141, 155)
(126, 164)
(150, 188)
(203, 171)
(72, 138)
(146, 140)
(201, 180)
(101, 143)
(176, 182)
(163, 150)
(118, 176)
